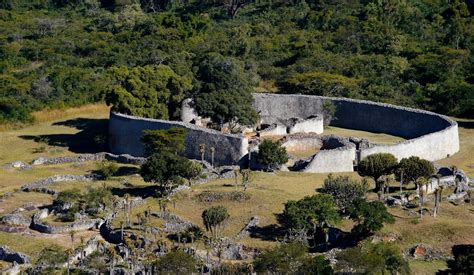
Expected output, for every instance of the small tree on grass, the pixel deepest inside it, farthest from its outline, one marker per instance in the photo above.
(414, 168)
(291, 258)
(214, 219)
(166, 170)
(344, 190)
(313, 213)
(369, 217)
(376, 166)
(272, 154)
(106, 169)
(176, 262)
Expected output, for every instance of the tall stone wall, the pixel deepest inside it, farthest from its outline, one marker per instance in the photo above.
(430, 135)
(125, 134)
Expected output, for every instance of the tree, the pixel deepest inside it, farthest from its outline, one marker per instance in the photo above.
(377, 165)
(312, 213)
(414, 168)
(344, 190)
(316, 265)
(167, 170)
(153, 91)
(170, 140)
(107, 169)
(272, 154)
(214, 219)
(225, 93)
(369, 217)
(176, 262)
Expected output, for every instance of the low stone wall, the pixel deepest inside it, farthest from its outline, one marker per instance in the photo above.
(430, 135)
(125, 134)
(83, 225)
(273, 130)
(311, 125)
(337, 155)
(8, 255)
(39, 184)
(125, 158)
(302, 143)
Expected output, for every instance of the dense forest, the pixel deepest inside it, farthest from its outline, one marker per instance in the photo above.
(146, 56)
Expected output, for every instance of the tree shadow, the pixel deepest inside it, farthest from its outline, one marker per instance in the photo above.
(466, 124)
(143, 192)
(126, 171)
(92, 137)
(271, 232)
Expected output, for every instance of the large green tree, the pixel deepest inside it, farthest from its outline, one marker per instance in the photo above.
(271, 154)
(414, 168)
(315, 214)
(225, 93)
(369, 217)
(344, 190)
(153, 91)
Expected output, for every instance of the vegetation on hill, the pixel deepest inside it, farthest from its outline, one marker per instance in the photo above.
(147, 55)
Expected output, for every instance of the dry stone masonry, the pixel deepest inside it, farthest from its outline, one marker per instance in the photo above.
(429, 135)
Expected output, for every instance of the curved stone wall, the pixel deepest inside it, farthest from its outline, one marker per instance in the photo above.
(125, 134)
(430, 135)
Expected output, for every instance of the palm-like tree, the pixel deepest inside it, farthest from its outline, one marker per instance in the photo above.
(202, 150)
(421, 183)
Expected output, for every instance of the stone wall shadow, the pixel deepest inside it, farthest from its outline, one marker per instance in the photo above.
(91, 138)
(466, 124)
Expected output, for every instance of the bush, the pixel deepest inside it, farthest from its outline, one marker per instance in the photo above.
(344, 190)
(214, 219)
(106, 169)
(271, 154)
(176, 262)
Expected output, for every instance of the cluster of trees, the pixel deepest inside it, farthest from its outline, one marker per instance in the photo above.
(340, 197)
(409, 170)
(145, 56)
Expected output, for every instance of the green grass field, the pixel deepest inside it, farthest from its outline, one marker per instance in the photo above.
(77, 130)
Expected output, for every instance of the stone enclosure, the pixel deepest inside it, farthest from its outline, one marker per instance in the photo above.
(429, 135)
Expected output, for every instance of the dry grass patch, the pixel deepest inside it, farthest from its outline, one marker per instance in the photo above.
(372, 137)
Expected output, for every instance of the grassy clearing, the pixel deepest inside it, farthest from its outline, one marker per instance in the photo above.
(426, 268)
(372, 137)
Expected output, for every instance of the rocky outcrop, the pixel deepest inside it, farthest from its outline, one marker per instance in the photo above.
(16, 220)
(8, 255)
(174, 223)
(18, 164)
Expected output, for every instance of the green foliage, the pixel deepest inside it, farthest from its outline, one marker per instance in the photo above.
(159, 141)
(149, 91)
(369, 217)
(53, 256)
(214, 219)
(176, 262)
(93, 202)
(374, 258)
(55, 54)
(107, 169)
(344, 190)
(271, 154)
(68, 196)
(377, 165)
(225, 93)
(414, 168)
(167, 170)
(291, 258)
(312, 213)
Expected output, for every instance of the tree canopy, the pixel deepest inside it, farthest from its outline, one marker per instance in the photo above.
(272, 154)
(376, 166)
(414, 168)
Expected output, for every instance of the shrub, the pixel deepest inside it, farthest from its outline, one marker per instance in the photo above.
(369, 217)
(176, 262)
(271, 154)
(344, 190)
(107, 169)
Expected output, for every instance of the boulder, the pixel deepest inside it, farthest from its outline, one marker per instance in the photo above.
(8, 255)
(16, 220)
